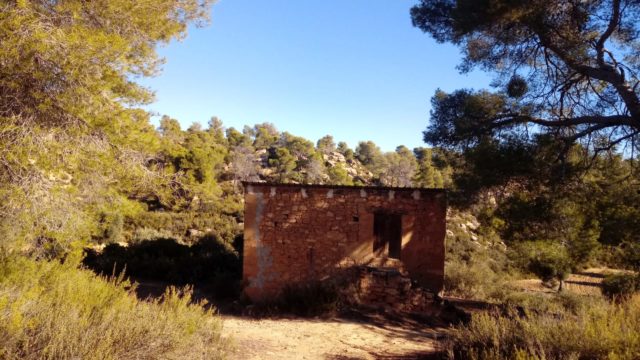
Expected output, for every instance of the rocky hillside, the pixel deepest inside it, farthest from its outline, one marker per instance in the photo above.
(333, 162)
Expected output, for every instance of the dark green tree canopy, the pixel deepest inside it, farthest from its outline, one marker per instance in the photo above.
(74, 143)
(569, 68)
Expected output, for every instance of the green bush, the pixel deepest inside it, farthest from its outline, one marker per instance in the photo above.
(630, 252)
(620, 286)
(594, 330)
(224, 226)
(546, 259)
(50, 310)
(623, 256)
(145, 234)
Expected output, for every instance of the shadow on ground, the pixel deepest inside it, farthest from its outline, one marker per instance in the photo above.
(409, 356)
(213, 271)
(209, 266)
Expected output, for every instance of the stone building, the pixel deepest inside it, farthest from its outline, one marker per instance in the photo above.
(299, 233)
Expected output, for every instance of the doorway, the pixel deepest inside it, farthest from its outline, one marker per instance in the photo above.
(387, 231)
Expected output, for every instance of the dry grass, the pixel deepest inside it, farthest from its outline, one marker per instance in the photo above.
(53, 311)
(590, 328)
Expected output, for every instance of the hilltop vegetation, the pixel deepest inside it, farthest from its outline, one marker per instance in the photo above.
(204, 168)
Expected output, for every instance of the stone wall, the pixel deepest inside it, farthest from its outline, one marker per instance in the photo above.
(298, 233)
(385, 288)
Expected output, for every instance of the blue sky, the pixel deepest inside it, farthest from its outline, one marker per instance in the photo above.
(355, 69)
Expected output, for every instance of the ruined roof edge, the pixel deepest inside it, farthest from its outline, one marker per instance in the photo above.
(323, 186)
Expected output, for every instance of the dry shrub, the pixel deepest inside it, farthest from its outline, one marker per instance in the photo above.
(593, 330)
(472, 280)
(50, 310)
(312, 299)
(324, 298)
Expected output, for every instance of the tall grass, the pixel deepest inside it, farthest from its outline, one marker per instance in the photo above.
(595, 329)
(50, 310)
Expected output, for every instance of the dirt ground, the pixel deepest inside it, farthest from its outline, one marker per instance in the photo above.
(337, 338)
(585, 282)
(370, 336)
(355, 336)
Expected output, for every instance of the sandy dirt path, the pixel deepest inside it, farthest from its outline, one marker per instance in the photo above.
(337, 339)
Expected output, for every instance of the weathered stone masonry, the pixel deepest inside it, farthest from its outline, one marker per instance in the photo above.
(299, 233)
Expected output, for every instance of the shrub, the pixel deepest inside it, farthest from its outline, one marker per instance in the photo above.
(547, 260)
(472, 280)
(630, 252)
(620, 286)
(539, 303)
(224, 226)
(50, 310)
(314, 298)
(207, 262)
(310, 299)
(475, 259)
(596, 330)
(147, 234)
(114, 229)
(623, 256)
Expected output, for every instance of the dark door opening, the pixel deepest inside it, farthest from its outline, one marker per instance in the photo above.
(387, 230)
